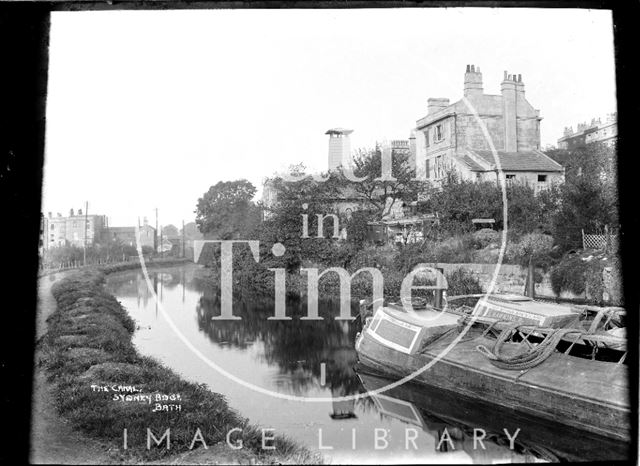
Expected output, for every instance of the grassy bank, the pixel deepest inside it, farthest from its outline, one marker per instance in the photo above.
(89, 342)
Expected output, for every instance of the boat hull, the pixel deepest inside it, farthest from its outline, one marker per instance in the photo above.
(584, 394)
(545, 439)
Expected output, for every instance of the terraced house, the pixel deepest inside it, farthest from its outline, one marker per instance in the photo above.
(463, 135)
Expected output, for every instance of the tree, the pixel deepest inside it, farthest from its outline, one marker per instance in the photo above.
(458, 201)
(379, 192)
(170, 231)
(226, 211)
(191, 231)
(295, 199)
(595, 161)
(589, 196)
(533, 249)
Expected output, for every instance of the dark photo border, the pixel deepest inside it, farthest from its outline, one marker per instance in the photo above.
(24, 42)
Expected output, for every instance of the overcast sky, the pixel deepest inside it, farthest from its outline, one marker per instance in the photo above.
(148, 109)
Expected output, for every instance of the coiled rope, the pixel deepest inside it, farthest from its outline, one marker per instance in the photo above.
(535, 356)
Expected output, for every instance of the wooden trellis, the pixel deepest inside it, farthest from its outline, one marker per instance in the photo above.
(596, 241)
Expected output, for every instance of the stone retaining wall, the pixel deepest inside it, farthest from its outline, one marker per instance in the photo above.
(511, 278)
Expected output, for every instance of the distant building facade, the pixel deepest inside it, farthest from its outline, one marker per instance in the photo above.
(127, 235)
(77, 229)
(597, 131)
(453, 137)
(399, 147)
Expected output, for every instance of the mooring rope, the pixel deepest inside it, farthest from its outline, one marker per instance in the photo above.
(535, 356)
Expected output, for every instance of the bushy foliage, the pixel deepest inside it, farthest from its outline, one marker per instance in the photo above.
(589, 196)
(378, 191)
(112, 250)
(584, 274)
(461, 282)
(534, 247)
(457, 202)
(89, 343)
(226, 211)
(484, 237)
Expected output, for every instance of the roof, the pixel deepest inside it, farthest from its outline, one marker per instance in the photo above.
(483, 220)
(471, 163)
(525, 161)
(122, 229)
(339, 131)
(128, 229)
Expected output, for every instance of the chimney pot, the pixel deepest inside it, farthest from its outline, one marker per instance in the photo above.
(472, 81)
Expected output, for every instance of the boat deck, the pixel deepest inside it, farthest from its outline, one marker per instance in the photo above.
(604, 381)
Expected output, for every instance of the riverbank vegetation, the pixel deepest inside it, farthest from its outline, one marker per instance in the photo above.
(544, 227)
(88, 345)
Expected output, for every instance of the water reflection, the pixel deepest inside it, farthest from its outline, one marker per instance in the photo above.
(289, 357)
(459, 423)
(297, 347)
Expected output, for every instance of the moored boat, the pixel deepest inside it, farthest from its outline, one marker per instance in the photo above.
(557, 362)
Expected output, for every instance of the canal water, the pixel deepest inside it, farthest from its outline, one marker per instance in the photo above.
(317, 359)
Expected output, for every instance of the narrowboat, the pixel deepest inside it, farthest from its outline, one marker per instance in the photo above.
(561, 363)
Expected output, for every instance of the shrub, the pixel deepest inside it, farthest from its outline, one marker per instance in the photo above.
(89, 342)
(452, 250)
(578, 274)
(462, 281)
(532, 245)
(484, 237)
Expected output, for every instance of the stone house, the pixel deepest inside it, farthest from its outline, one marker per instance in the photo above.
(75, 229)
(127, 235)
(480, 133)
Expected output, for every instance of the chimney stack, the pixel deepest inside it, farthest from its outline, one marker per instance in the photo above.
(49, 214)
(472, 81)
(79, 211)
(509, 89)
(70, 212)
(339, 147)
(435, 104)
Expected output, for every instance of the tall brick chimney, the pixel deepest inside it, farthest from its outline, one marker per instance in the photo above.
(472, 81)
(509, 89)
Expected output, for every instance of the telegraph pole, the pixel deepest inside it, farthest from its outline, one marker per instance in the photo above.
(183, 239)
(86, 220)
(161, 245)
(155, 239)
